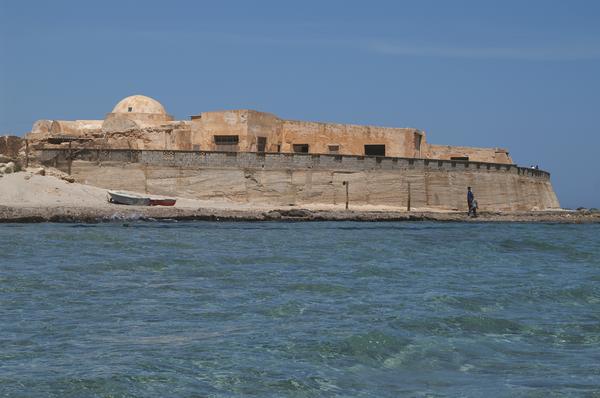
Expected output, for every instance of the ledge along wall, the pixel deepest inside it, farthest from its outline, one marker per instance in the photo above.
(300, 179)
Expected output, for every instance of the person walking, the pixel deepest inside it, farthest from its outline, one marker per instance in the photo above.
(470, 198)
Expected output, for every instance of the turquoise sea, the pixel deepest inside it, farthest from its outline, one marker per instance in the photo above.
(202, 309)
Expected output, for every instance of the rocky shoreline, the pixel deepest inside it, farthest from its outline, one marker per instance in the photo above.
(12, 214)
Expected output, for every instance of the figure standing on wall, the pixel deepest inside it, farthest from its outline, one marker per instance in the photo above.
(470, 198)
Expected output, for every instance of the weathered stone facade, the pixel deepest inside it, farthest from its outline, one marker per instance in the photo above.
(256, 157)
(10, 146)
(302, 179)
(140, 122)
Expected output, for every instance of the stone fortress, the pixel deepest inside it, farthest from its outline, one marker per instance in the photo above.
(256, 157)
(140, 122)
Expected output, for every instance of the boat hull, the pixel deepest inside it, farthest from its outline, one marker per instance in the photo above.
(128, 199)
(162, 202)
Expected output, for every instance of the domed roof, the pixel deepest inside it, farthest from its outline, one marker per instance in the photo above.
(139, 104)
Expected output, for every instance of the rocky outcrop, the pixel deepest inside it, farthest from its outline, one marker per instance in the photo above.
(11, 145)
(135, 213)
(7, 168)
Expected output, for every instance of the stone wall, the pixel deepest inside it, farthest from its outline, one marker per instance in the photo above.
(74, 127)
(350, 138)
(281, 135)
(114, 122)
(209, 124)
(492, 155)
(248, 131)
(284, 179)
(267, 125)
(10, 145)
(171, 136)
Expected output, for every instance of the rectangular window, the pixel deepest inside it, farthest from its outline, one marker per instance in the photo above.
(226, 143)
(375, 150)
(227, 139)
(333, 148)
(459, 158)
(300, 148)
(418, 138)
(261, 144)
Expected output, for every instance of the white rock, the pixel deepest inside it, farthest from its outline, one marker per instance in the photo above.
(9, 168)
(39, 171)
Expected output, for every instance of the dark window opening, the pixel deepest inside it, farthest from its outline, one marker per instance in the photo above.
(227, 143)
(227, 139)
(459, 158)
(261, 144)
(129, 109)
(278, 148)
(418, 138)
(333, 148)
(300, 148)
(375, 150)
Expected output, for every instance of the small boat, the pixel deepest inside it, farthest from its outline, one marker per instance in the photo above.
(125, 198)
(162, 202)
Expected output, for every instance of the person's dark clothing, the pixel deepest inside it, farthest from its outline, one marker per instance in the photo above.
(470, 201)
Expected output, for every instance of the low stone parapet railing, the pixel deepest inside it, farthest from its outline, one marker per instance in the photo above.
(59, 157)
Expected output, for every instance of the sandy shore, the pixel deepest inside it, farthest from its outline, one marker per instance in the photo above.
(26, 197)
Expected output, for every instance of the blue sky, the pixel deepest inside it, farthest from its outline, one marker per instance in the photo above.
(524, 75)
